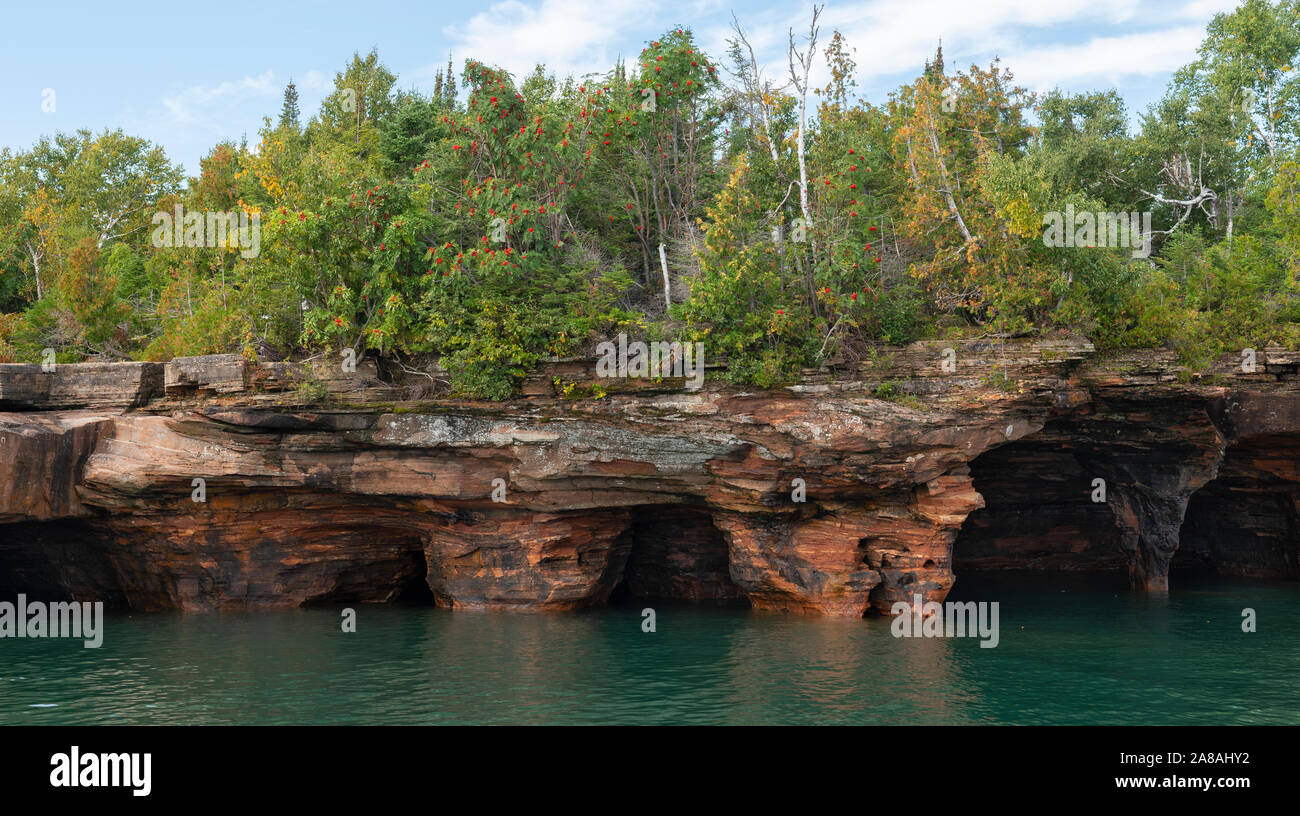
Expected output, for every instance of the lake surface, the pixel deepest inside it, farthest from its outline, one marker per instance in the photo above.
(1070, 651)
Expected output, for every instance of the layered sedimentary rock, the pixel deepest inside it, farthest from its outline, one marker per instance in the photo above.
(1138, 477)
(127, 385)
(1107, 484)
(1247, 521)
(215, 483)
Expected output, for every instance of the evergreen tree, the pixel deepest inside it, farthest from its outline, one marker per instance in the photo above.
(289, 112)
(407, 135)
(934, 68)
(449, 86)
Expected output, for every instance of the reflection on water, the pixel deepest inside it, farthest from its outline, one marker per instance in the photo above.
(1070, 652)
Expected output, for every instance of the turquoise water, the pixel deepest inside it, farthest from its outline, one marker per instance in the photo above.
(1069, 652)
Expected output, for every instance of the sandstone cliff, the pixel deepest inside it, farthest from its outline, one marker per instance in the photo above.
(212, 483)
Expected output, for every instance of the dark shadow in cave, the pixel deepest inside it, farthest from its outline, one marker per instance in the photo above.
(676, 555)
(1039, 515)
(1244, 522)
(399, 579)
(57, 561)
(416, 592)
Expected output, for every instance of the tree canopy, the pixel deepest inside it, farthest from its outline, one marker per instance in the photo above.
(499, 220)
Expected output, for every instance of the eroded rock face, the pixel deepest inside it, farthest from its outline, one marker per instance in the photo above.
(1247, 521)
(1149, 473)
(1108, 482)
(127, 385)
(506, 559)
(809, 565)
(43, 457)
(227, 491)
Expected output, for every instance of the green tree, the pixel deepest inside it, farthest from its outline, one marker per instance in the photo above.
(362, 98)
(289, 110)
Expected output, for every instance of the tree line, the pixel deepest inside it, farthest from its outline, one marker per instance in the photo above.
(500, 220)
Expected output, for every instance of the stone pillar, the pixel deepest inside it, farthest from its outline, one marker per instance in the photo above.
(1149, 525)
(1149, 502)
(809, 566)
(842, 559)
(912, 547)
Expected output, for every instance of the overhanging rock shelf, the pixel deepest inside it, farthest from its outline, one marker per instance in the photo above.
(320, 485)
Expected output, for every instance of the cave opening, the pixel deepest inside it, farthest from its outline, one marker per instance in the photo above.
(1039, 518)
(55, 561)
(415, 591)
(394, 573)
(676, 554)
(1244, 523)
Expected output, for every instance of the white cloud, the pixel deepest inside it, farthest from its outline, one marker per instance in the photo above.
(1108, 59)
(317, 82)
(200, 102)
(1094, 39)
(893, 37)
(568, 36)
(1101, 39)
(1205, 9)
(189, 121)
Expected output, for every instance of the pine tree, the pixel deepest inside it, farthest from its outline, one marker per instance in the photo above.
(289, 113)
(449, 84)
(437, 88)
(935, 67)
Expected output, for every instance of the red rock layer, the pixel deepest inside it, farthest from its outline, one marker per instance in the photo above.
(815, 499)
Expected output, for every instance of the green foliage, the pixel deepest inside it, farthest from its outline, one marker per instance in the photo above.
(892, 390)
(744, 304)
(289, 110)
(499, 221)
(1203, 300)
(312, 391)
(408, 135)
(1284, 205)
(899, 314)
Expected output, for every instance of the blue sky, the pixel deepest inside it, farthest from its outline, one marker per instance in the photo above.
(187, 75)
